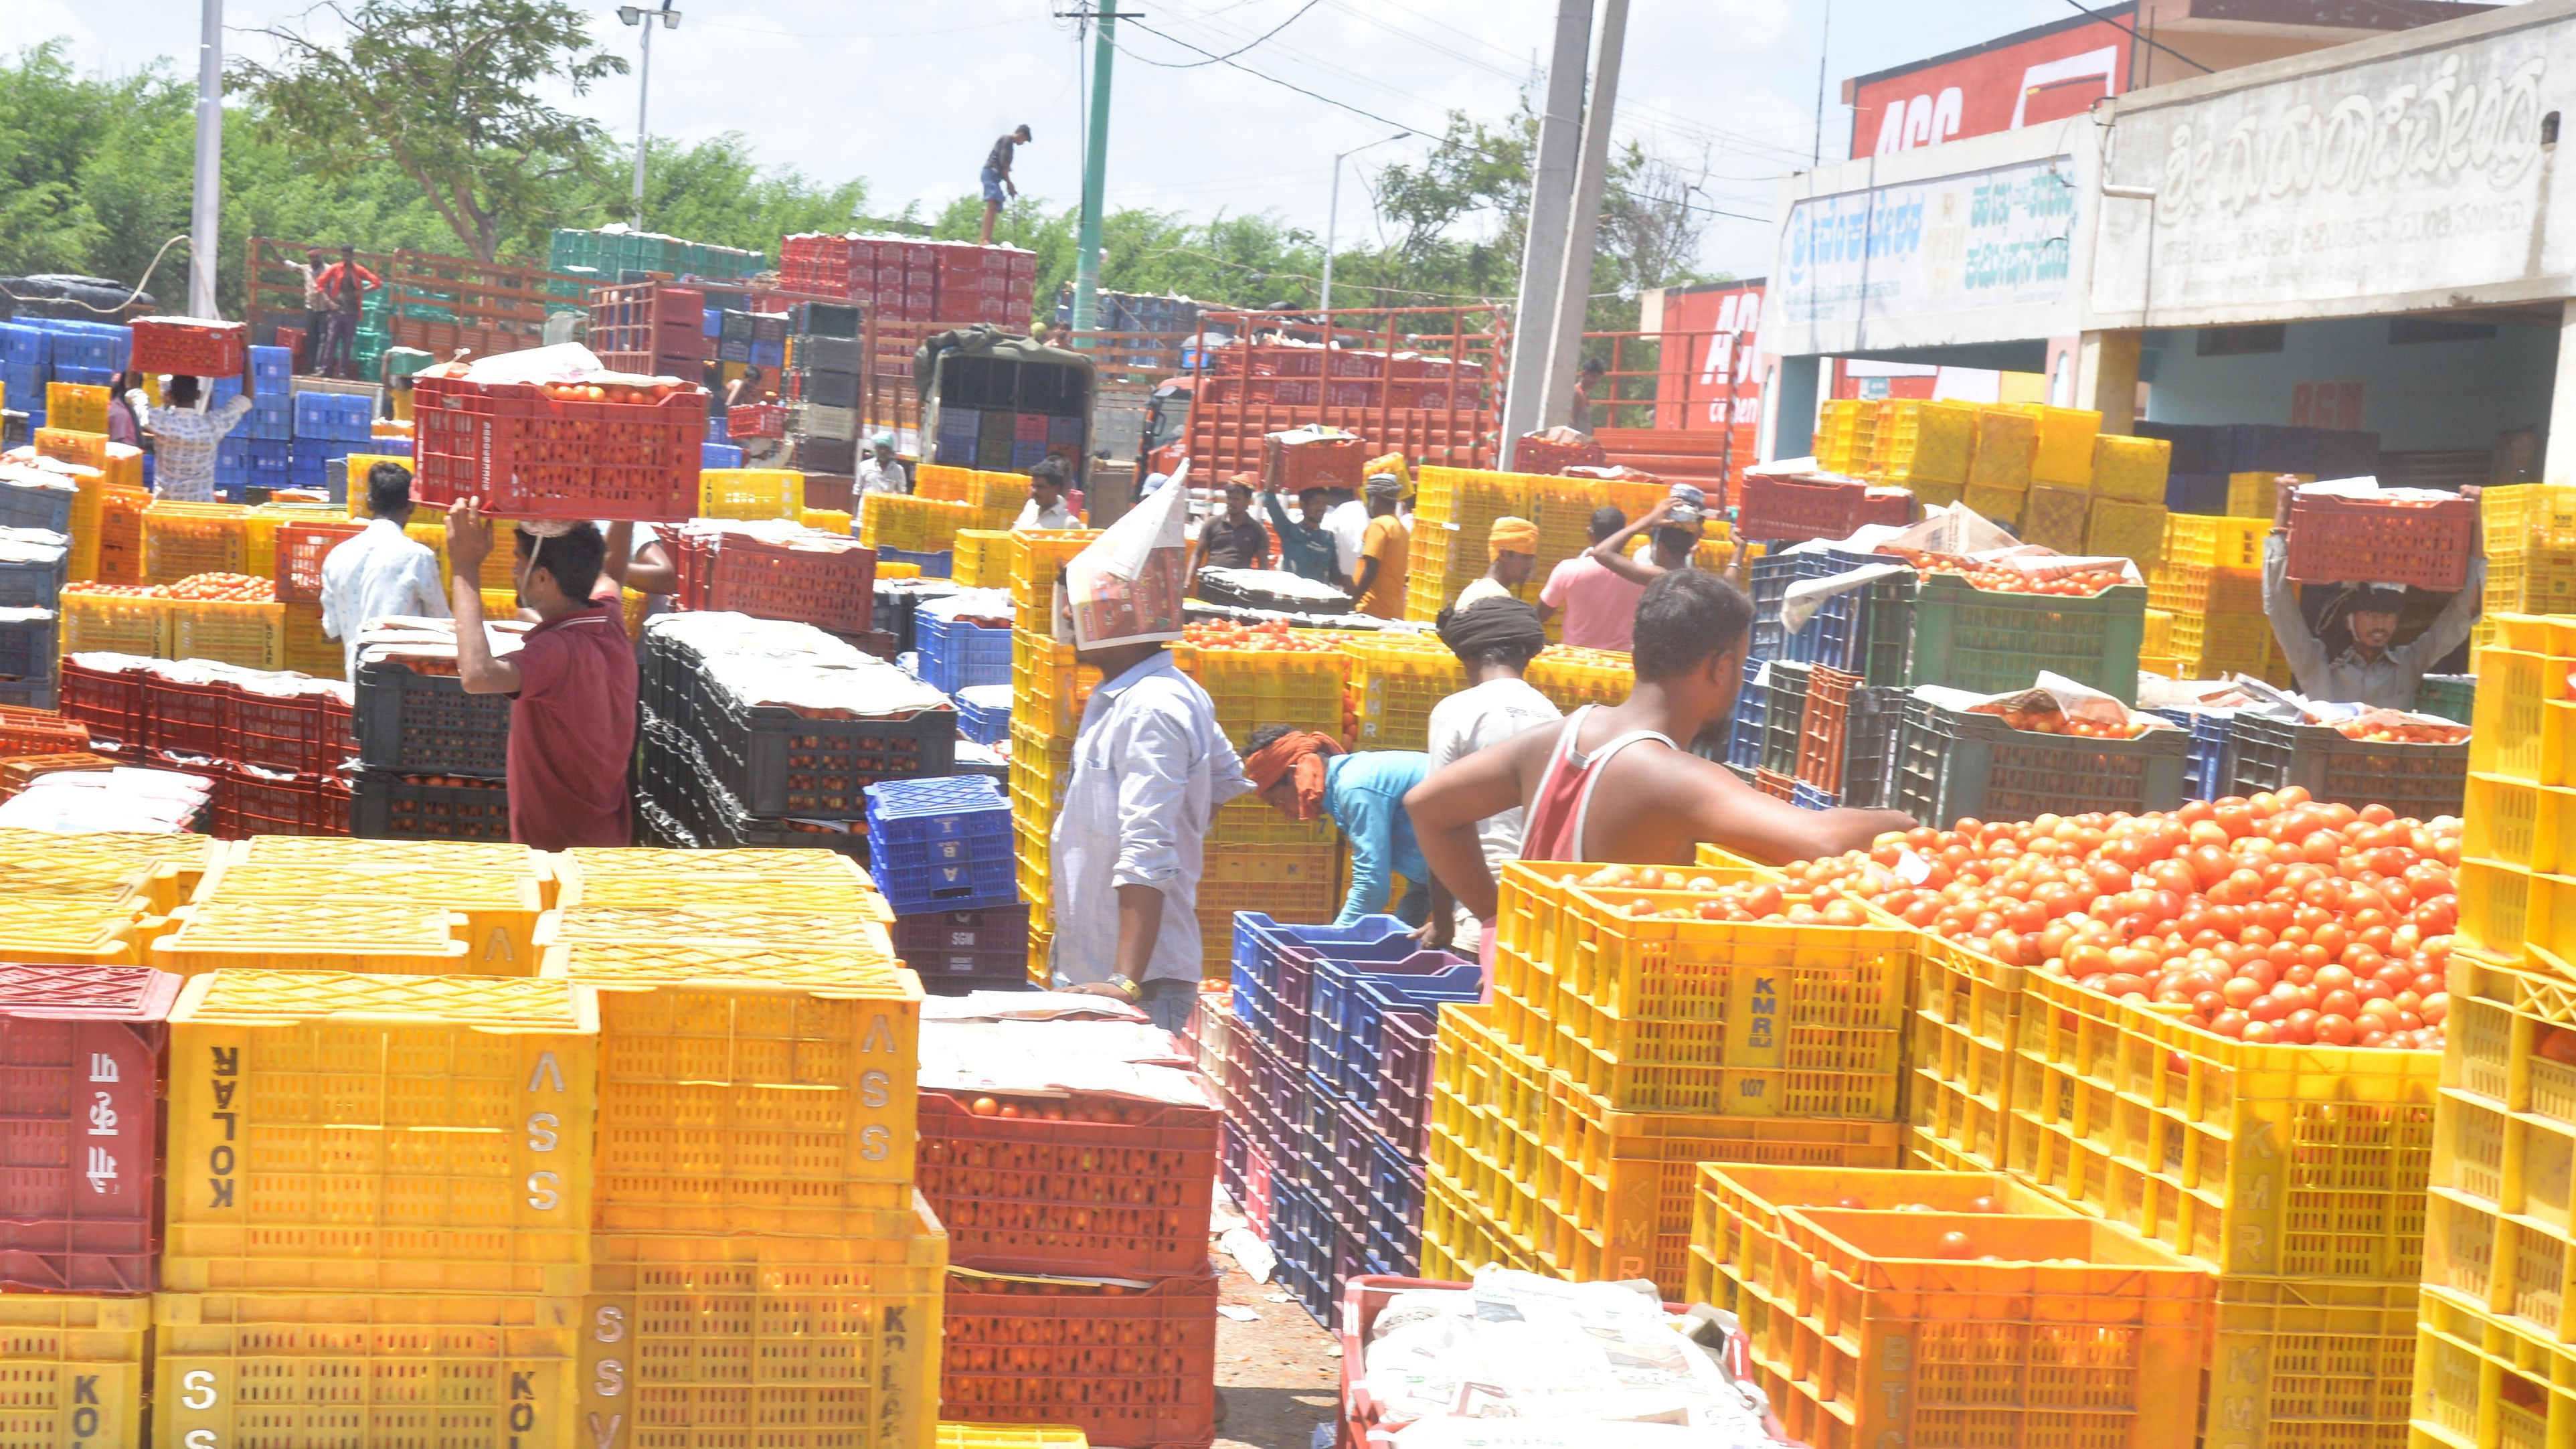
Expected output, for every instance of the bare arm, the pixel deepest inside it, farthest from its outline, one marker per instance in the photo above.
(1368, 576)
(1725, 811)
(1611, 552)
(620, 542)
(1140, 925)
(652, 572)
(1448, 805)
(469, 541)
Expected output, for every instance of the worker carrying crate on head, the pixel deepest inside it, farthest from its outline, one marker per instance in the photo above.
(2372, 669)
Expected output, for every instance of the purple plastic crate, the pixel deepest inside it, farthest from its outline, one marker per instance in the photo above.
(1407, 1045)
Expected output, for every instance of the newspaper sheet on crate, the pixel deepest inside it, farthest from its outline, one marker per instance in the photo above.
(984, 608)
(1059, 1058)
(124, 799)
(1559, 1363)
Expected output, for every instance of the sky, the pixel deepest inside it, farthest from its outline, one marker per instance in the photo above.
(911, 96)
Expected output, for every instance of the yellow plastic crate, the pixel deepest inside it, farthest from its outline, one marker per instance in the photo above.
(77, 407)
(628, 876)
(321, 1371)
(114, 624)
(2515, 720)
(750, 493)
(361, 464)
(2251, 495)
(1965, 1029)
(2064, 453)
(2131, 468)
(1572, 677)
(1736, 1211)
(373, 936)
(259, 532)
(2481, 1382)
(1928, 442)
(983, 558)
(2159, 635)
(2006, 443)
(180, 539)
(1252, 688)
(250, 635)
(76, 1368)
(2528, 515)
(369, 1134)
(2198, 539)
(2125, 530)
(2296, 1361)
(1048, 685)
(2271, 1161)
(1010, 1436)
(2055, 517)
(84, 446)
(827, 520)
(736, 1104)
(1394, 682)
(2003, 505)
(483, 856)
(307, 649)
(499, 911)
(845, 1350)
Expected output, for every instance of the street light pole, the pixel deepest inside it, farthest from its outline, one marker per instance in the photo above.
(638, 15)
(1332, 222)
(205, 212)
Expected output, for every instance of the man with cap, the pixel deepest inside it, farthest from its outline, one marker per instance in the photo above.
(1386, 551)
(2372, 670)
(1302, 774)
(1677, 524)
(1511, 546)
(881, 471)
(1495, 638)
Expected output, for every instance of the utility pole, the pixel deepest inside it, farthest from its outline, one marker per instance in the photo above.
(1592, 178)
(1551, 193)
(1332, 224)
(205, 211)
(638, 15)
(1095, 165)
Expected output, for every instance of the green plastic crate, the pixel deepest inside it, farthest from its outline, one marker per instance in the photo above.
(1990, 643)
(2446, 695)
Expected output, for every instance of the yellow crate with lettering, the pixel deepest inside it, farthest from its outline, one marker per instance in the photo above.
(329, 1370)
(2303, 1361)
(745, 1091)
(2261, 1160)
(380, 1134)
(75, 1367)
(750, 493)
(822, 1341)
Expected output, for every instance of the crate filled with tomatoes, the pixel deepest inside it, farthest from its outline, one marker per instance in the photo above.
(613, 445)
(1069, 1184)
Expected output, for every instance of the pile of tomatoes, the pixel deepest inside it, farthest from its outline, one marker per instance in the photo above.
(1065, 1109)
(2077, 584)
(1267, 634)
(2053, 721)
(612, 392)
(1130, 1335)
(1739, 902)
(2272, 920)
(228, 588)
(2382, 729)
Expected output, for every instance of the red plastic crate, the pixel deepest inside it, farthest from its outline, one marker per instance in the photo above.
(2340, 540)
(1533, 454)
(293, 733)
(527, 455)
(39, 732)
(301, 548)
(81, 1051)
(1891, 506)
(1033, 1196)
(1137, 1371)
(756, 420)
(261, 802)
(830, 586)
(1822, 729)
(186, 719)
(1775, 784)
(189, 346)
(1791, 510)
(107, 701)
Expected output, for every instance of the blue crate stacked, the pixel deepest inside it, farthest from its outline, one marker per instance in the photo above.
(984, 712)
(328, 426)
(941, 845)
(272, 408)
(957, 653)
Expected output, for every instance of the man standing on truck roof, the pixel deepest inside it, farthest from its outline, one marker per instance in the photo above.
(997, 179)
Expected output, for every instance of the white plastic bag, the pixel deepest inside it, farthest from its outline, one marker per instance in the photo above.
(1128, 586)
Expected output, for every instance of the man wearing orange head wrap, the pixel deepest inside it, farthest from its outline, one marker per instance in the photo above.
(1511, 545)
(1303, 775)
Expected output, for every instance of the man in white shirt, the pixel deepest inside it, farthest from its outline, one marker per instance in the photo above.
(184, 439)
(382, 573)
(1347, 521)
(1045, 508)
(1496, 639)
(881, 471)
(1150, 768)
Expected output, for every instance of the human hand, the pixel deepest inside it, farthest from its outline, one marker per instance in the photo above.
(469, 537)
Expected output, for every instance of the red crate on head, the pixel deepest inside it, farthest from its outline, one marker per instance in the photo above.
(2359, 540)
(1329, 462)
(1791, 510)
(1135, 1370)
(301, 548)
(186, 718)
(756, 420)
(103, 693)
(1032, 1194)
(81, 1052)
(189, 346)
(528, 455)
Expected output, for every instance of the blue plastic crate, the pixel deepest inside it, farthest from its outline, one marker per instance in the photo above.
(272, 364)
(1333, 1009)
(711, 321)
(1028, 455)
(1744, 733)
(956, 654)
(1375, 997)
(269, 452)
(716, 432)
(85, 376)
(1395, 1195)
(28, 505)
(25, 346)
(933, 565)
(985, 724)
(989, 882)
(1274, 964)
(25, 382)
(338, 417)
(1809, 797)
(382, 447)
(2204, 493)
(233, 449)
(224, 390)
(719, 455)
(275, 423)
(733, 349)
(768, 352)
(935, 810)
(2208, 765)
(32, 583)
(28, 649)
(308, 473)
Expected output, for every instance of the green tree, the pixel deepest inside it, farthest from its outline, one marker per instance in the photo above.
(49, 122)
(450, 92)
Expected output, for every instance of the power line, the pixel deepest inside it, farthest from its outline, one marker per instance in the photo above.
(2115, 24)
(1238, 50)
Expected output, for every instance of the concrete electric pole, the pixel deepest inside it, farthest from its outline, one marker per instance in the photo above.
(1592, 175)
(205, 211)
(1551, 195)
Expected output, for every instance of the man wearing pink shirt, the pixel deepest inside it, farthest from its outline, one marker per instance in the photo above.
(1600, 607)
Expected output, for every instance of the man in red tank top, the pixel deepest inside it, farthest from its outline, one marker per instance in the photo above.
(1610, 784)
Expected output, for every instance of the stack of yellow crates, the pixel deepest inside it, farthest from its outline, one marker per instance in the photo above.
(1048, 688)
(1622, 1050)
(2531, 548)
(912, 523)
(2496, 1364)
(995, 499)
(2210, 584)
(750, 493)
(1256, 858)
(1455, 509)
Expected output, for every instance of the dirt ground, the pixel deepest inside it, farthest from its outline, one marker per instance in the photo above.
(1281, 1374)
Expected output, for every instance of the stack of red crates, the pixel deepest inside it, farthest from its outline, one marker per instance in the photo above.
(278, 757)
(904, 279)
(81, 1049)
(1076, 1187)
(827, 582)
(657, 329)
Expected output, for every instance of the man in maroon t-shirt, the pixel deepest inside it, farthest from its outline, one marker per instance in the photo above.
(571, 685)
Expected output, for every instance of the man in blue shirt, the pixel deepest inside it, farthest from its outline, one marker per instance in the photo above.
(1302, 774)
(1306, 548)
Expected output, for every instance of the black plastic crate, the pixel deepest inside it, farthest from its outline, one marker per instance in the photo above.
(826, 387)
(387, 806)
(823, 319)
(1869, 747)
(947, 944)
(33, 583)
(426, 724)
(1952, 764)
(1784, 710)
(675, 776)
(777, 762)
(2420, 781)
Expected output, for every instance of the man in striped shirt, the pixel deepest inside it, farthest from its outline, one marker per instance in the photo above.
(184, 438)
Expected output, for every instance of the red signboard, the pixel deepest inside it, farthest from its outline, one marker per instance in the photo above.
(1710, 374)
(2023, 79)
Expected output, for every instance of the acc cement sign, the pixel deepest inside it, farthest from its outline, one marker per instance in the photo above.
(2404, 175)
(1971, 257)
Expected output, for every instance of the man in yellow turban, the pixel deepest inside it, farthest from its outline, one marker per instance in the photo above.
(1512, 545)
